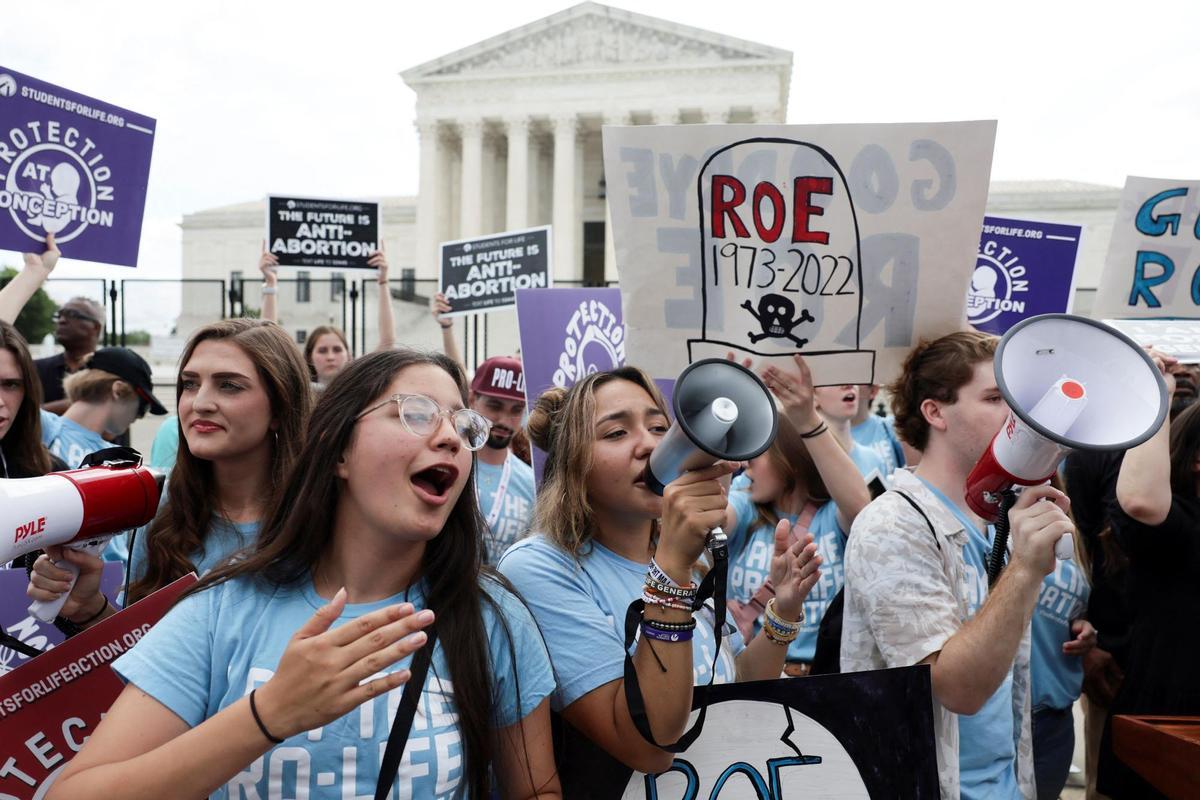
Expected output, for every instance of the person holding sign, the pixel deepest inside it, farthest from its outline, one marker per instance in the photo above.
(279, 674)
(916, 582)
(22, 454)
(606, 540)
(243, 406)
(807, 479)
(325, 350)
(1158, 492)
(503, 482)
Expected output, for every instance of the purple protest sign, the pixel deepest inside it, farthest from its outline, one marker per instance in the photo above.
(567, 334)
(16, 619)
(1023, 269)
(73, 166)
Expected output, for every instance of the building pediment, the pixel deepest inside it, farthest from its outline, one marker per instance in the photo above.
(591, 36)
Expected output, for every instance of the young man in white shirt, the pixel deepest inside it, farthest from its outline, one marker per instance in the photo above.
(916, 582)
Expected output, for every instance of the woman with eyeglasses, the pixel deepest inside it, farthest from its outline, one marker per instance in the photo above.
(22, 454)
(279, 674)
(243, 401)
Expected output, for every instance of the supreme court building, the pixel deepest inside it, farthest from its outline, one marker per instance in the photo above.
(510, 138)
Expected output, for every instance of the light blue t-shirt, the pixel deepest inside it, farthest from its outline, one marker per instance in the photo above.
(870, 464)
(166, 444)
(507, 523)
(1057, 677)
(750, 551)
(580, 607)
(69, 440)
(879, 434)
(214, 647)
(987, 747)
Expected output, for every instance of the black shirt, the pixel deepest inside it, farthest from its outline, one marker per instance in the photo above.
(51, 372)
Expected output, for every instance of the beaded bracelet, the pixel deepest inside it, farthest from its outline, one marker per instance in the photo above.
(666, 636)
(786, 624)
(666, 602)
(782, 641)
(664, 625)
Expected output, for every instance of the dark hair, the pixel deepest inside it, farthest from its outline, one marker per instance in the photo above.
(935, 370)
(1185, 446)
(23, 450)
(298, 532)
(791, 460)
(310, 344)
(179, 529)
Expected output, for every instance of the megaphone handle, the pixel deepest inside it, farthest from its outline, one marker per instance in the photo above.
(48, 610)
(1064, 548)
(716, 539)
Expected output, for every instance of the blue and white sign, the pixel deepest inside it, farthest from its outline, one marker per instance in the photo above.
(1023, 269)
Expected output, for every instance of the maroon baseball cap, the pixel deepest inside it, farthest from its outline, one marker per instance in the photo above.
(500, 376)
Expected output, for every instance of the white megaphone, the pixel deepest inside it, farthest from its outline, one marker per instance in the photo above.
(723, 412)
(1070, 383)
(82, 508)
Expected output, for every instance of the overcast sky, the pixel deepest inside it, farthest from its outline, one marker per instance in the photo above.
(305, 97)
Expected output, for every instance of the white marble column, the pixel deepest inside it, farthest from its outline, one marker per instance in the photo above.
(517, 204)
(566, 214)
(429, 203)
(610, 250)
(471, 195)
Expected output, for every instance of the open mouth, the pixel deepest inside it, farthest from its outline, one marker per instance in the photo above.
(850, 397)
(436, 480)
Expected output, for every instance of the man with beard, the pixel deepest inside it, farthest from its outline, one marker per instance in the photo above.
(503, 483)
(77, 327)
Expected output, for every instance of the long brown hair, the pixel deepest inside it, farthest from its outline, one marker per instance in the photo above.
(1185, 445)
(791, 461)
(298, 532)
(178, 530)
(23, 450)
(310, 344)
(562, 424)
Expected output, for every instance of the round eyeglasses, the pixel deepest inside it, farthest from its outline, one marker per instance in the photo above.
(421, 415)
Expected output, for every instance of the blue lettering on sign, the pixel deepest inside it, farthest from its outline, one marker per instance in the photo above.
(1142, 283)
(1151, 225)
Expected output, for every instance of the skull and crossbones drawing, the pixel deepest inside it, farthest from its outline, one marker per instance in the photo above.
(774, 314)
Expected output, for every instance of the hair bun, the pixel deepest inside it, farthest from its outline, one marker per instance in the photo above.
(544, 415)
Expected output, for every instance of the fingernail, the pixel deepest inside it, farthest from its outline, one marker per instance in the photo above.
(340, 595)
(418, 638)
(425, 616)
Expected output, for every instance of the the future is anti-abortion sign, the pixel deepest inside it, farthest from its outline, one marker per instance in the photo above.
(844, 243)
(307, 232)
(484, 274)
(73, 166)
(1153, 263)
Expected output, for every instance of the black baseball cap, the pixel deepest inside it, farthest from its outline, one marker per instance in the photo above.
(131, 368)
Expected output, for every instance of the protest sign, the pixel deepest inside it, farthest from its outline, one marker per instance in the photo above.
(17, 621)
(1153, 263)
(1023, 269)
(481, 275)
(304, 232)
(73, 166)
(51, 705)
(846, 243)
(854, 735)
(1175, 337)
(567, 334)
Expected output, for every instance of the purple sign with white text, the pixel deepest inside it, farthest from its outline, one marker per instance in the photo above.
(17, 621)
(567, 334)
(1022, 269)
(73, 166)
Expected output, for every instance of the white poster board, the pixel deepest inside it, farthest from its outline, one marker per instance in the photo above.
(1153, 263)
(845, 243)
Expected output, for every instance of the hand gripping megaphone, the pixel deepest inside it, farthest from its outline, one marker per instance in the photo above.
(81, 508)
(723, 412)
(1071, 383)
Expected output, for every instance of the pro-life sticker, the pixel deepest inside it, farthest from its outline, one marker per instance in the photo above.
(73, 166)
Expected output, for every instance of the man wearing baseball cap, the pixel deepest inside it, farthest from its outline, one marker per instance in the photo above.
(503, 482)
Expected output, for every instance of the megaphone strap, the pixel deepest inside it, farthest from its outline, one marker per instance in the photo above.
(713, 586)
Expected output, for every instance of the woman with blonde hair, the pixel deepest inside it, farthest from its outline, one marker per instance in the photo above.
(605, 540)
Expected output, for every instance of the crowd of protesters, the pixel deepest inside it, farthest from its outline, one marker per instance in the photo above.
(358, 523)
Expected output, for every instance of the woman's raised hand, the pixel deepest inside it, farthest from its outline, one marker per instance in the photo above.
(794, 389)
(323, 673)
(794, 571)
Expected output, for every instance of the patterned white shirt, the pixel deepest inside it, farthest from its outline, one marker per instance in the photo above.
(906, 594)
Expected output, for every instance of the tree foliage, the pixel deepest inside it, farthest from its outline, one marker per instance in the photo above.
(34, 321)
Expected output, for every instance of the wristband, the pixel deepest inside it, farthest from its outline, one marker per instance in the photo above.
(95, 616)
(254, 710)
(666, 636)
(662, 625)
(270, 289)
(815, 432)
(446, 326)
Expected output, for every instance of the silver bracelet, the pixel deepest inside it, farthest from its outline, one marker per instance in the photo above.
(270, 289)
